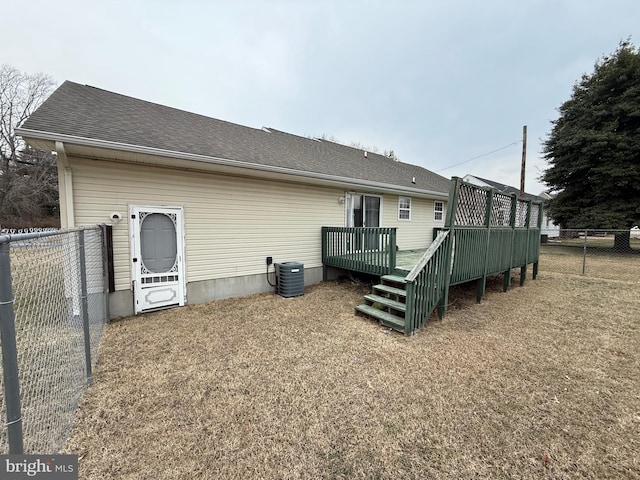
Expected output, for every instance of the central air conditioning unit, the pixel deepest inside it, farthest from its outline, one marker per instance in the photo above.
(290, 279)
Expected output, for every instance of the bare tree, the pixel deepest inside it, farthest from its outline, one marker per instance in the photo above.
(24, 173)
(359, 145)
(32, 200)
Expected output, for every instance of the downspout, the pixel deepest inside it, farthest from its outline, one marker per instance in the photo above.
(65, 187)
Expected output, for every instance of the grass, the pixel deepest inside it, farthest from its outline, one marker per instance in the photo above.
(605, 241)
(538, 382)
(597, 263)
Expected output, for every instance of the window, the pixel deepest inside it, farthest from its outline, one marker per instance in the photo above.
(438, 211)
(404, 208)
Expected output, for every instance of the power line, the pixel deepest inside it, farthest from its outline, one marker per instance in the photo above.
(479, 156)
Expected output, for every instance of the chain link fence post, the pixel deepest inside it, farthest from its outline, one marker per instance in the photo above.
(53, 311)
(105, 230)
(85, 304)
(10, 354)
(592, 252)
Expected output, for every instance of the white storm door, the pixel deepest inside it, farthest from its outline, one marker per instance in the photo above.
(157, 257)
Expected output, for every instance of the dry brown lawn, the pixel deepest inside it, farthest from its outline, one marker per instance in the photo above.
(539, 382)
(599, 263)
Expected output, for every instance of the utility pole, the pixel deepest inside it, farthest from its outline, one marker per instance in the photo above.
(524, 159)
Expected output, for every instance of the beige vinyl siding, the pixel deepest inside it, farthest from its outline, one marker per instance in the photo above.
(414, 233)
(231, 223)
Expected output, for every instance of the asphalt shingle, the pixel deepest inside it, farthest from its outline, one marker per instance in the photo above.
(501, 187)
(92, 113)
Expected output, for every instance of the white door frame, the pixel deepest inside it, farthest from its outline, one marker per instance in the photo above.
(153, 291)
(361, 242)
(348, 205)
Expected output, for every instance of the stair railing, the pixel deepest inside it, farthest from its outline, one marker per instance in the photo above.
(427, 282)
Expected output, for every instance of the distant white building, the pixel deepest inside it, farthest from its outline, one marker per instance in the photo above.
(549, 227)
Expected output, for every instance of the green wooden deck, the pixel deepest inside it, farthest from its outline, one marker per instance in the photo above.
(405, 261)
(486, 232)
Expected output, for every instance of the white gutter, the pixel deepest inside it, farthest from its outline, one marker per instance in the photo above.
(65, 187)
(95, 143)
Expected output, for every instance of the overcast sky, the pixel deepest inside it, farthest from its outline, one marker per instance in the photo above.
(437, 82)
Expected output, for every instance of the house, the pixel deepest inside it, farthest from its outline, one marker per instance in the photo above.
(549, 227)
(198, 204)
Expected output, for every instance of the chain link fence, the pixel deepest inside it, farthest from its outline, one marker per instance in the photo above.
(53, 310)
(609, 254)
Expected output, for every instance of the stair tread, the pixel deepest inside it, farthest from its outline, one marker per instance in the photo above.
(392, 278)
(390, 289)
(387, 319)
(372, 297)
(399, 272)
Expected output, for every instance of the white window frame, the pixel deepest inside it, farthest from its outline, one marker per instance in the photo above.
(404, 209)
(436, 211)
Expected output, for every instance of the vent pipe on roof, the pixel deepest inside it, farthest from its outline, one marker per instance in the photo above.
(365, 154)
(413, 180)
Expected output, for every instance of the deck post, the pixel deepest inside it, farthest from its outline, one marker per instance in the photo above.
(482, 282)
(506, 283)
(449, 223)
(448, 266)
(523, 274)
(392, 250)
(506, 280)
(409, 312)
(324, 254)
(452, 202)
(523, 270)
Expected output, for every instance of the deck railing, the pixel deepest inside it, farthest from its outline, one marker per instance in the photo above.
(427, 282)
(361, 249)
(486, 232)
(492, 233)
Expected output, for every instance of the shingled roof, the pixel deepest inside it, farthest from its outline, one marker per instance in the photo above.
(501, 187)
(78, 113)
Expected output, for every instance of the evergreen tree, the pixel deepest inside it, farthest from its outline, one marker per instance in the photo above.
(593, 149)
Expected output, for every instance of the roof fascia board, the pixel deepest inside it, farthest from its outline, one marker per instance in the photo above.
(95, 143)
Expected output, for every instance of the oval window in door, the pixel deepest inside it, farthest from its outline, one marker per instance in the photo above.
(158, 243)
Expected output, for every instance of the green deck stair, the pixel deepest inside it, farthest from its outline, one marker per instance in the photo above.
(387, 302)
(485, 232)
